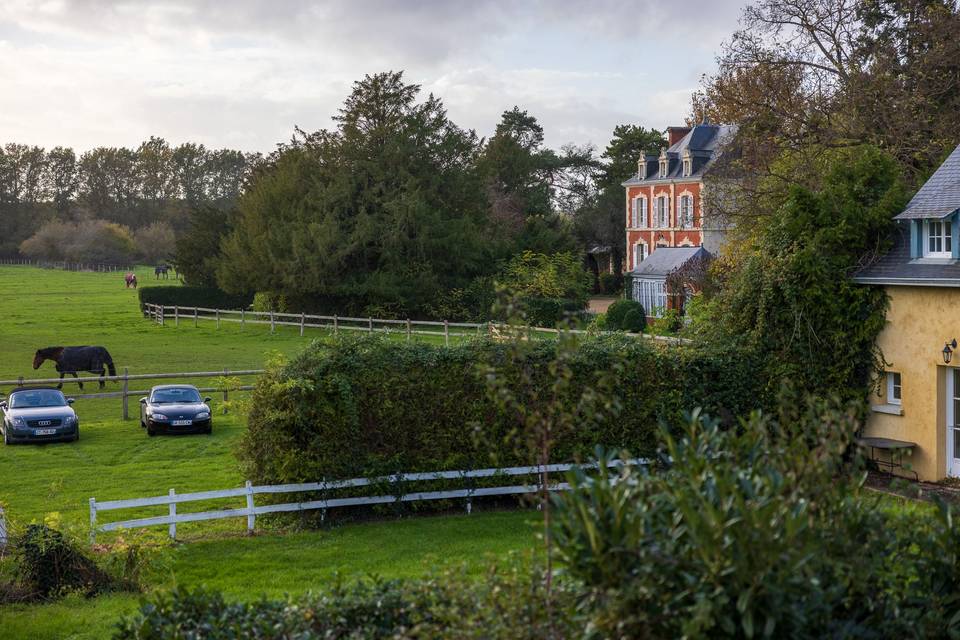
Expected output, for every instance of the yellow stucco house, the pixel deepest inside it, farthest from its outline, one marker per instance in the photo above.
(919, 399)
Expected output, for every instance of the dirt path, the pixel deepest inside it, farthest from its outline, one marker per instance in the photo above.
(600, 304)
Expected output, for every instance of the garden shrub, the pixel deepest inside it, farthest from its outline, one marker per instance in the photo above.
(667, 324)
(764, 531)
(50, 565)
(610, 283)
(208, 297)
(368, 406)
(634, 321)
(507, 604)
(548, 312)
(617, 315)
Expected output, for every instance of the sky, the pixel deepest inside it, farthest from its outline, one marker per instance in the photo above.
(242, 73)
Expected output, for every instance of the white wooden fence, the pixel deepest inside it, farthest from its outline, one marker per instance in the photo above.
(67, 265)
(3, 529)
(250, 511)
(125, 392)
(161, 314)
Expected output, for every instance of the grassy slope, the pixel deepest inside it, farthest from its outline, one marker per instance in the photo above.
(115, 459)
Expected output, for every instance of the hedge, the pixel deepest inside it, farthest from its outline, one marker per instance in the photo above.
(193, 297)
(367, 406)
(548, 312)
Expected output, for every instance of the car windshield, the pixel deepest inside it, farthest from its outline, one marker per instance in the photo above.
(176, 394)
(37, 398)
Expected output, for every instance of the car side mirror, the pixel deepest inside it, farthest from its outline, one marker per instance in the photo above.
(3, 405)
(70, 400)
(143, 401)
(207, 399)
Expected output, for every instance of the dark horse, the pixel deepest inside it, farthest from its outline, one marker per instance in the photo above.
(161, 270)
(73, 359)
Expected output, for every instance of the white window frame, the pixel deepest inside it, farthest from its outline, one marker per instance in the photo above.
(685, 211)
(664, 164)
(638, 212)
(639, 248)
(663, 211)
(937, 239)
(652, 295)
(687, 164)
(894, 385)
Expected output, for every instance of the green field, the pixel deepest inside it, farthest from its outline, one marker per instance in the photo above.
(115, 459)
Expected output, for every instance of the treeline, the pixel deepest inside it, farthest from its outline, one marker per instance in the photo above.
(397, 210)
(156, 183)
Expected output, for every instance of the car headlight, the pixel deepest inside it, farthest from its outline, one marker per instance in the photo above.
(203, 415)
(19, 422)
(69, 420)
(159, 417)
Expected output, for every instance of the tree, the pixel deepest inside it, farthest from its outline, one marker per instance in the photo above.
(198, 248)
(384, 210)
(155, 242)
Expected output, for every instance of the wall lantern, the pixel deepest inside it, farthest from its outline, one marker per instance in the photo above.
(948, 348)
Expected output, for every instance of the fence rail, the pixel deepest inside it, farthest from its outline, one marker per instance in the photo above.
(126, 393)
(161, 314)
(250, 511)
(67, 265)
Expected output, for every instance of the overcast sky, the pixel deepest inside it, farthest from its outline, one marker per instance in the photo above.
(242, 73)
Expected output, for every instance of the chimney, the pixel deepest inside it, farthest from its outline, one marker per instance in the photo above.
(675, 134)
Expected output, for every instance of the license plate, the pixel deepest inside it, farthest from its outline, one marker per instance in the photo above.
(44, 432)
(182, 423)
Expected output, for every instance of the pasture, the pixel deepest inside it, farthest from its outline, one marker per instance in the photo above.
(115, 459)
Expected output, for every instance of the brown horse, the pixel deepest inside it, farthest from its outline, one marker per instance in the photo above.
(131, 280)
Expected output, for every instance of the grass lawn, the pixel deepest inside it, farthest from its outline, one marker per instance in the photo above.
(115, 459)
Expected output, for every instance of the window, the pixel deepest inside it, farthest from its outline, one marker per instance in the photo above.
(893, 388)
(686, 166)
(939, 241)
(652, 295)
(685, 206)
(639, 253)
(663, 168)
(663, 211)
(638, 214)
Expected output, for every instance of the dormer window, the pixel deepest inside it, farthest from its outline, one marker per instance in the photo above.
(938, 240)
(687, 166)
(663, 167)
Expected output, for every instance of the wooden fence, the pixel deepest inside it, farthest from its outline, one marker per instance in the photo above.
(3, 529)
(250, 511)
(161, 314)
(125, 392)
(67, 265)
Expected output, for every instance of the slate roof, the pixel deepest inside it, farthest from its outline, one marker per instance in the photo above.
(897, 268)
(665, 260)
(940, 195)
(703, 141)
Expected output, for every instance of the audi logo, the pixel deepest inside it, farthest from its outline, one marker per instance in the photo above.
(45, 423)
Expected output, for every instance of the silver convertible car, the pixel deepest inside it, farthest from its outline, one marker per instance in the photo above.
(38, 414)
(175, 408)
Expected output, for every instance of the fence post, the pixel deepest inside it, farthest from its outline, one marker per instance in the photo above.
(93, 520)
(303, 319)
(3, 530)
(126, 390)
(370, 324)
(446, 333)
(176, 315)
(173, 514)
(163, 312)
(408, 329)
(271, 322)
(336, 324)
(251, 516)
(243, 317)
(218, 318)
(196, 313)
(226, 395)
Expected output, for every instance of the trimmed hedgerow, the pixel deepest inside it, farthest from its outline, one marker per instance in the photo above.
(368, 406)
(193, 297)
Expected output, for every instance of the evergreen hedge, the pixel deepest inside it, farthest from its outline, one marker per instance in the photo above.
(367, 406)
(183, 296)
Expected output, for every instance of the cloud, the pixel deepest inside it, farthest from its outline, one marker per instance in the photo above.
(243, 73)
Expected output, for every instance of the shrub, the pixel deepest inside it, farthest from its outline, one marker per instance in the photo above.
(507, 604)
(265, 301)
(763, 531)
(635, 321)
(193, 297)
(51, 565)
(368, 406)
(618, 312)
(557, 276)
(610, 283)
(667, 324)
(548, 312)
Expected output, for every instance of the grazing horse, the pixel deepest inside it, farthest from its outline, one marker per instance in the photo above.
(73, 359)
(131, 280)
(161, 270)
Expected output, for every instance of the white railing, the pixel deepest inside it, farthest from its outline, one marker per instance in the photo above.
(67, 265)
(3, 529)
(125, 378)
(161, 314)
(250, 511)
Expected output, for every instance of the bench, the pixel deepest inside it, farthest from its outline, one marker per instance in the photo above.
(895, 449)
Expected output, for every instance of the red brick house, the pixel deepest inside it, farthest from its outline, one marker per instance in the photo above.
(663, 208)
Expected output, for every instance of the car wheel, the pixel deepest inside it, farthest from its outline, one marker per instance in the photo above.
(151, 432)
(208, 430)
(6, 437)
(77, 436)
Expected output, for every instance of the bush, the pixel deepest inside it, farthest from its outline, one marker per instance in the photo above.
(50, 565)
(265, 302)
(549, 312)
(368, 406)
(507, 604)
(193, 297)
(619, 311)
(610, 283)
(762, 531)
(667, 324)
(558, 276)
